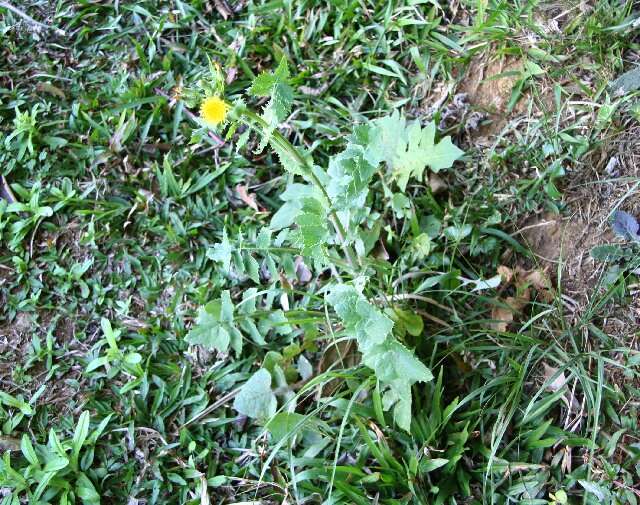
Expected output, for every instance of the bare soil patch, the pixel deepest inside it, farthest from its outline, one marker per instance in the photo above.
(609, 182)
(488, 86)
(16, 348)
(563, 244)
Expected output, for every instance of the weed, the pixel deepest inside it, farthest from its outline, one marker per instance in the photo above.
(315, 289)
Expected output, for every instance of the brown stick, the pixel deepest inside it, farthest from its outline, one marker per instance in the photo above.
(5, 190)
(30, 20)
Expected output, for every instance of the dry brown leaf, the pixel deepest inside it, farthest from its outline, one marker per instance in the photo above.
(505, 273)
(374, 427)
(541, 282)
(538, 279)
(517, 303)
(286, 284)
(566, 460)
(9, 444)
(302, 271)
(501, 316)
(223, 9)
(204, 496)
(556, 384)
(248, 198)
(47, 87)
(437, 184)
(5, 191)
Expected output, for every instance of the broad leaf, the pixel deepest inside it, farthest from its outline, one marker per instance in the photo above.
(256, 399)
(408, 149)
(276, 86)
(285, 424)
(28, 451)
(457, 233)
(393, 364)
(222, 252)
(55, 463)
(288, 161)
(79, 436)
(350, 174)
(397, 367)
(608, 252)
(625, 225)
(312, 231)
(86, 491)
(214, 328)
(293, 197)
(361, 319)
(306, 214)
(627, 82)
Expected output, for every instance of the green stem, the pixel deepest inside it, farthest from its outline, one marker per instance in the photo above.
(291, 149)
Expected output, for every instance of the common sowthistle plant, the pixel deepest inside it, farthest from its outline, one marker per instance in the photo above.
(323, 220)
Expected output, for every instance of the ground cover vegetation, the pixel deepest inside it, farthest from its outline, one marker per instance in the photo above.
(351, 251)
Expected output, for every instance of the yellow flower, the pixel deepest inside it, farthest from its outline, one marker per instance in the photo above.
(213, 110)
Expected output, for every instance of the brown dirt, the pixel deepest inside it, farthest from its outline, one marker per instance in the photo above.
(15, 348)
(14, 340)
(567, 241)
(488, 85)
(555, 240)
(596, 191)
(485, 89)
(7, 274)
(489, 94)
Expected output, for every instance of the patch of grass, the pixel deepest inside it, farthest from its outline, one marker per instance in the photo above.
(108, 256)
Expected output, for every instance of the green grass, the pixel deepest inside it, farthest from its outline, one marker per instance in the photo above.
(106, 259)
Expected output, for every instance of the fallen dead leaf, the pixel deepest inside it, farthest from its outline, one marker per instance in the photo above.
(286, 284)
(517, 303)
(540, 281)
(47, 87)
(248, 198)
(566, 460)
(9, 444)
(5, 190)
(437, 184)
(223, 9)
(556, 384)
(204, 495)
(302, 271)
(505, 273)
(284, 302)
(503, 315)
